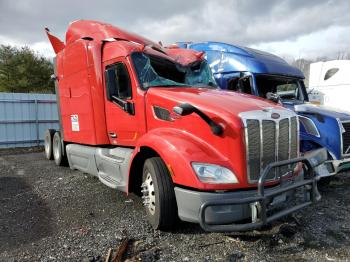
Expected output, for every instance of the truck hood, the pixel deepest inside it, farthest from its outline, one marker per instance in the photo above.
(216, 101)
(322, 110)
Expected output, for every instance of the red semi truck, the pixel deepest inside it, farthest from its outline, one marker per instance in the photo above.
(148, 119)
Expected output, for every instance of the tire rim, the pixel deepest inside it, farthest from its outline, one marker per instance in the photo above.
(149, 197)
(47, 145)
(56, 150)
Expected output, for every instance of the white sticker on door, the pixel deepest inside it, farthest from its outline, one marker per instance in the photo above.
(75, 122)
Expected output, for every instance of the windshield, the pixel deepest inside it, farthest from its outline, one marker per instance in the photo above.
(153, 71)
(286, 88)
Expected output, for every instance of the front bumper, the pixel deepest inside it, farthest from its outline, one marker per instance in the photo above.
(335, 166)
(220, 212)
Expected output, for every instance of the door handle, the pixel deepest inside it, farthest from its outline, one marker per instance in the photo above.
(112, 135)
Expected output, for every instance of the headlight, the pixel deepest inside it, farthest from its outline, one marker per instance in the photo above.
(309, 126)
(214, 174)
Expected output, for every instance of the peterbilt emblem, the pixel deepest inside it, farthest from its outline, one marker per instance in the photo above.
(275, 115)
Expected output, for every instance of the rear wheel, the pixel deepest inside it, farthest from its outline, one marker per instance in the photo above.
(57, 148)
(158, 194)
(48, 143)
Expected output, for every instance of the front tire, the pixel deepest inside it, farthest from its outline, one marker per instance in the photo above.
(158, 194)
(57, 148)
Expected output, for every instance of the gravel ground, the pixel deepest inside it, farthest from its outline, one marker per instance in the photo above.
(50, 213)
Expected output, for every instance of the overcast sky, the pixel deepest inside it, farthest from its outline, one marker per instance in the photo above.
(291, 28)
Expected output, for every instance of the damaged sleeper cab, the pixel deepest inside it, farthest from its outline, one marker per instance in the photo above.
(150, 120)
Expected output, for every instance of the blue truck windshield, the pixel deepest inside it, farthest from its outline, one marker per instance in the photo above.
(286, 88)
(153, 71)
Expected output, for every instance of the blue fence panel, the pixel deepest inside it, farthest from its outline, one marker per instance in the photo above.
(25, 117)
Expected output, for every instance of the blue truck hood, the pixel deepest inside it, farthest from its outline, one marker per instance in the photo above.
(226, 58)
(321, 110)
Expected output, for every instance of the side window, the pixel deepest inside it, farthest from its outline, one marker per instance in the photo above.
(118, 82)
(240, 84)
(331, 72)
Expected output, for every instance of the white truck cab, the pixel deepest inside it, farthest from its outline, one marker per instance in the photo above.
(329, 84)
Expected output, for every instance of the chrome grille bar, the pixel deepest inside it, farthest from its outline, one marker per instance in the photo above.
(261, 144)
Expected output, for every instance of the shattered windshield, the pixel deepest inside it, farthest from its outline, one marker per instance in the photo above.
(153, 71)
(286, 88)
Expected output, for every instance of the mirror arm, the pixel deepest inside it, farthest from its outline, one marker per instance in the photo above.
(187, 109)
(125, 105)
(215, 128)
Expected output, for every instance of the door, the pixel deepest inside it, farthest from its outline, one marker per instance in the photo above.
(122, 116)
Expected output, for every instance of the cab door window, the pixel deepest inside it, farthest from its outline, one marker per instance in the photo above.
(118, 82)
(118, 87)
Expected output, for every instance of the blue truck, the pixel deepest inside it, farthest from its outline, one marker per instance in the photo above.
(262, 74)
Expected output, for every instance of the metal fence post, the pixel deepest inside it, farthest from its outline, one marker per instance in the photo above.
(37, 122)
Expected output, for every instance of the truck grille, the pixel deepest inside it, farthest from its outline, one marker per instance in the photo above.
(269, 140)
(346, 138)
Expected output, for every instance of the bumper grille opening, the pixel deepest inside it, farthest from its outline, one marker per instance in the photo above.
(253, 149)
(269, 149)
(346, 138)
(283, 144)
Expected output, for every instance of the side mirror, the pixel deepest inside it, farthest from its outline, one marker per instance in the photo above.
(129, 108)
(184, 109)
(273, 97)
(309, 91)
(125, 105)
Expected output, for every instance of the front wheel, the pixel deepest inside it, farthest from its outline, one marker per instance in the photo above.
(158, 194)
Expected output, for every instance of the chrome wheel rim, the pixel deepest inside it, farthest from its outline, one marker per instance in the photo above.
(148, 194)
(56, 150)
(47, 145)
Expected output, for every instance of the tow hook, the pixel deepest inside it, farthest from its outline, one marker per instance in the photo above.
(255, 209)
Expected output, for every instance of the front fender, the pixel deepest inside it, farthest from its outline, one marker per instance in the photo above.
(330, 137)
(178, 149)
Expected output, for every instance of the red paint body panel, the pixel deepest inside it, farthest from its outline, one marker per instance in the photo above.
(100, 31)
(189, 139)
(82, 92)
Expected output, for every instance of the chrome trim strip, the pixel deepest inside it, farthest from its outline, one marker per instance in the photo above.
(261, 144)
(246, 148)
(298, 135)
(277, 141)
(313, 124)
(290, 138)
